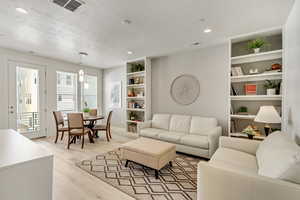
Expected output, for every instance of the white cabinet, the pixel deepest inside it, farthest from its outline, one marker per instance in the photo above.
(26, 169)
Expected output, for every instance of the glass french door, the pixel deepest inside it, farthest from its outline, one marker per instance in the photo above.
(27, 99)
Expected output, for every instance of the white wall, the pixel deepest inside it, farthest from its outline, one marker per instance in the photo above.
(51, 67)
(111, 75)
(292, 72)
(210, 66)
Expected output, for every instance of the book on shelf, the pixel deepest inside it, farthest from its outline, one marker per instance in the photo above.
(250, 89)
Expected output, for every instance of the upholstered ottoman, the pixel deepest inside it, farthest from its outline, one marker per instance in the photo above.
(150, 153)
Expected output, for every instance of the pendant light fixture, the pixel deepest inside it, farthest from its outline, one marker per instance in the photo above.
(81, 71)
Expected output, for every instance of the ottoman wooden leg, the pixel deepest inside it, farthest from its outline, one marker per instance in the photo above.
(127, 161)
(156, 174)
(171, 164)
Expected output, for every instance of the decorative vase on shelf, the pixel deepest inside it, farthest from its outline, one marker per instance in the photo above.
(271, 91)
(250, 136)
(256, 50)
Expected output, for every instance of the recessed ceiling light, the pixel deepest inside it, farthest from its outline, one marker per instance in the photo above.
(83, 54)
(22, 10)
(129, 52)
(207, 30)
(196, 43)
(126, 21)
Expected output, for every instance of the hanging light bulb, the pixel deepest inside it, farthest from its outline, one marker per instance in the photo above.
(81, 75)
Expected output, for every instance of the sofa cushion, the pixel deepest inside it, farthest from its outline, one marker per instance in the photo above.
(195, 141)
(161, 121)
(180, 123)
(170, 136)
(151, 132)
(244, 161)
(278, 156)
(199, 125)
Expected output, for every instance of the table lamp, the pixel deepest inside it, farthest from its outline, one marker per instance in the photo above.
(267, 115)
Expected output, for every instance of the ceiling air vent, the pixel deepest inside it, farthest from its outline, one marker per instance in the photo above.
(70, 5)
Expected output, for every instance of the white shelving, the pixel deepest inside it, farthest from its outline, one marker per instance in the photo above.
(132, 74)
(257, 77)
(139, 88)
(262, 61)
(136, 85)
(136, 109)
(256, 98)
(270, 55)
(243, 116)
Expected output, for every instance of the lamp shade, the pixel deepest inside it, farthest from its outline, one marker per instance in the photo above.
(268, 115)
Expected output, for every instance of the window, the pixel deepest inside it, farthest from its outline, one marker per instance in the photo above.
(89, 92)
(66, 91)
(69, 80)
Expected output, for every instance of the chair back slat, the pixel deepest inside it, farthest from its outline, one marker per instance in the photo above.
(75, 121)
(93, 112)
(59, 119)
(108, 122)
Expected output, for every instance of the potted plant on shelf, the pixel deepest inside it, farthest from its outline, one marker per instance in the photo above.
(256, 44)
(271, 87)
(250, 132)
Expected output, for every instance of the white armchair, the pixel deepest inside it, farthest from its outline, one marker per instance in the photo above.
(233, 173)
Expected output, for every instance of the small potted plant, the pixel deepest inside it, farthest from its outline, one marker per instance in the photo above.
(250, 132)
(256, 44)
(271, 87)
(86, 110)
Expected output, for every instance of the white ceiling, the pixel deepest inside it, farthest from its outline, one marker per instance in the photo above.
(158, 26)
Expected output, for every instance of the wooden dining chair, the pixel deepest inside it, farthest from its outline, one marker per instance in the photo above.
(93, 112)
(76, 128)
(60, 125)
(105, 128)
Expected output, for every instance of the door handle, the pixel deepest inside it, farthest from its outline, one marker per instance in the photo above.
(11, 112)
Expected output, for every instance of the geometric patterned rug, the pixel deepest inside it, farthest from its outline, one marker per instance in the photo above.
(178, 182)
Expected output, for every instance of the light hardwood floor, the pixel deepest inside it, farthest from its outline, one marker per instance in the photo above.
(72, 183)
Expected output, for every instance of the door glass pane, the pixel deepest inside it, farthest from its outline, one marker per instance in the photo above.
(90, 92)
(66, 91)
(27, 100)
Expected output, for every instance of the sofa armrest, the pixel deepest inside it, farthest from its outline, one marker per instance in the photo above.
(213, 138)
(240, 144)
(142, 125)
(219, 183)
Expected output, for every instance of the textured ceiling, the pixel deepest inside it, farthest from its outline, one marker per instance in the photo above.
(158, 27)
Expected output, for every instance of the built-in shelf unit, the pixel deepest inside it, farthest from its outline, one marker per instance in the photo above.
(138, 92)
(248, 73)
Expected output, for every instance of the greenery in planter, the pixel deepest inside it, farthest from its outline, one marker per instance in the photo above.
(136, 67)
(86, 110)
(243, 109)
(271, 84)
(256, 44)
(249, 131)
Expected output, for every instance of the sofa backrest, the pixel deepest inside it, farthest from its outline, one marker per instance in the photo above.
(278, 156)
(199, 125)
(180, 123)
(161, 121)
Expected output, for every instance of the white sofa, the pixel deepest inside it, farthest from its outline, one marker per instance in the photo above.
(192, 134)
(244, 169)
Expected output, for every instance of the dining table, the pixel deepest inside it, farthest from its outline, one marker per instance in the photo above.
(91, 122)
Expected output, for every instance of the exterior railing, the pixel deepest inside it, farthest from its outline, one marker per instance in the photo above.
(29, 121)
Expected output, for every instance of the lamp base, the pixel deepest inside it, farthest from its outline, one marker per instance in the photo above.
(267, 129)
